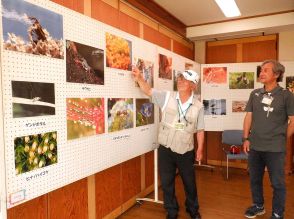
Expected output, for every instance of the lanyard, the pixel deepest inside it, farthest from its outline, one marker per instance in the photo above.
(183, 112)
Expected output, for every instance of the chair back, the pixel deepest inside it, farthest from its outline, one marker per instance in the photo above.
(232, 137)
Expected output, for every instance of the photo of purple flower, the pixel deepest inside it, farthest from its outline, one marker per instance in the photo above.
(144, 112)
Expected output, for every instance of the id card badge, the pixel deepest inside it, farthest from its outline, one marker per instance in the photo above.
(267, 100)
(179, 126)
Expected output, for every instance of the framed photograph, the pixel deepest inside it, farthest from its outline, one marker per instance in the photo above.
(165, 67)
(32, 29)
(215, 75)
(84, 64)
(120, 114)
(241, 80)
(290, 83)
(85, 117)
(238, 106)
(144, 112)
(215, 107)
(118, 52)
(35, 151)
(146, 68)
(32, 99)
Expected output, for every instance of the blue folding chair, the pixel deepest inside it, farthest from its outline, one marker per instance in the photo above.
(233, 137)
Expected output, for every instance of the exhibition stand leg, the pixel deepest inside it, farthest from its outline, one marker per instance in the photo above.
(140, 200)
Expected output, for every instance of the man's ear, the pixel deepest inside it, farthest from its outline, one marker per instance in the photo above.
(277, 75)
(193, 86)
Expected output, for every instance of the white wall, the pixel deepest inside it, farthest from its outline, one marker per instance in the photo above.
(200, 51)
(286, 46)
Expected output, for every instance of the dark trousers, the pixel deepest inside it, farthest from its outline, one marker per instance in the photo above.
(274, 161)
(168, 162)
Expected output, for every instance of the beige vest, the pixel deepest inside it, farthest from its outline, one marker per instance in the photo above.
(178, 141)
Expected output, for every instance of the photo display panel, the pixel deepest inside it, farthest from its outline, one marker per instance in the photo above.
(56, 91)
(225, 90)
(70, 105)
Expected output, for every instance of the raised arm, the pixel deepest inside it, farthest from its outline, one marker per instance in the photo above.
(144, 86)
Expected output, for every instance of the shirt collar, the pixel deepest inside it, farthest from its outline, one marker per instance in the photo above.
(273, 91)
(190, 100)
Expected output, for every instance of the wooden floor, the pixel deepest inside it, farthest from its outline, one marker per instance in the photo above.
(218, 198)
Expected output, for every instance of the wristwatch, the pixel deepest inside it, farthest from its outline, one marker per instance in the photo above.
(245, 139)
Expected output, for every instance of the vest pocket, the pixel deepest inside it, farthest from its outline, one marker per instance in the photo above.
(182, 142)
(163, 134)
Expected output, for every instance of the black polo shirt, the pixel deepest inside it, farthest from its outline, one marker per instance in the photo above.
(270, 120)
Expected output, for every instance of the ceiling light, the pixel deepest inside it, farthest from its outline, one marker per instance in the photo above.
(228, 7)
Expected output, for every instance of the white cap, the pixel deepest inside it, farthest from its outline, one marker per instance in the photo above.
(191, 75)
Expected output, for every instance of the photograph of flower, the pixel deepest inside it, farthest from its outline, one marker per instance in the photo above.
(215, 75)
(165, 67)
(120, 114)
(31, 29)
(84, 64)
(238, 106)
(214, 107)
(32, 99)
(85, 117)
(35, 151)
(241, 80)
(290, 83)
(144, 112)
(147, 70)
(118, 52)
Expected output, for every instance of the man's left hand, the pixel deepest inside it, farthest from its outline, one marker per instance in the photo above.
(199, 155)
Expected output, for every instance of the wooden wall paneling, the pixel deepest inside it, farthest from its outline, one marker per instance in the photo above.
(156, 37)
(150, 34)
(35, 208)
(69, 202)
(113, 3)
(183, 50)
(91, 197)
(143, 174)
(108, 190)
(164, 41)
(132, 12)
(221, 54)
(158, 13)
(76, 5)
(149, 168)
(105, 13)
(259, 51)
(204, 159)
(131, 178)
(129, 24)
(214, 148)
(289, 156)
(292, 157)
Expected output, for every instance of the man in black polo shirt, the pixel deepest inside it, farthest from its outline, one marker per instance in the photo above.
(268, 122)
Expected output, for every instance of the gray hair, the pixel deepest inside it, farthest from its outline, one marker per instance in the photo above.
(278, 68)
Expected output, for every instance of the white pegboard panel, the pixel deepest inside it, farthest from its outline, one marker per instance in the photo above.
(19, 66)
(232, 120)
(81, 157)
(3, 212)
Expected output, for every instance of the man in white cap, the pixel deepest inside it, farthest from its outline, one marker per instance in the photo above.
(182, 116)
